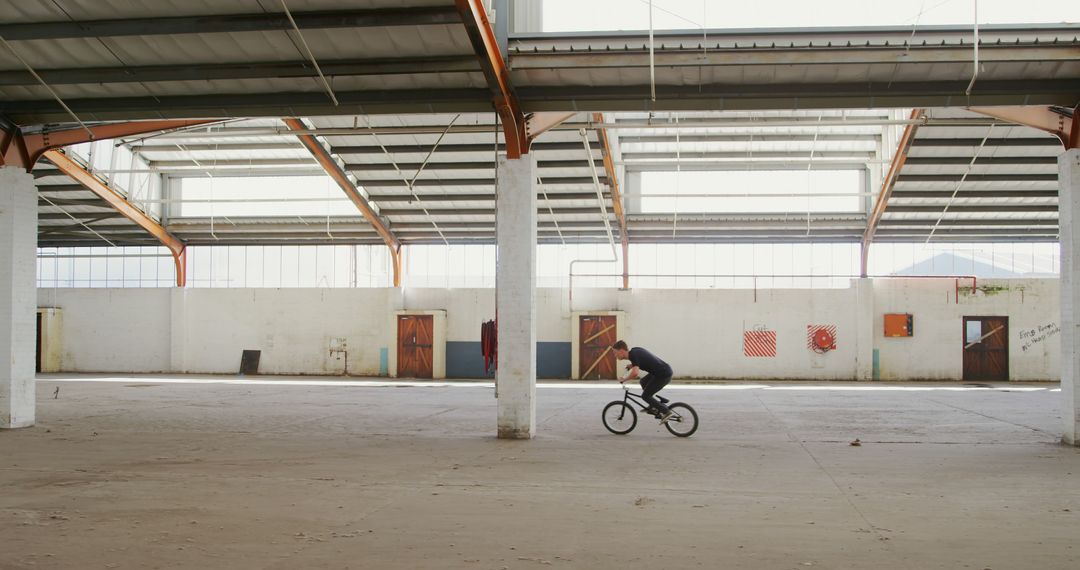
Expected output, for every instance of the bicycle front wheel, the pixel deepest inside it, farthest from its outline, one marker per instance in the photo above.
(619, 417)
(683, 422)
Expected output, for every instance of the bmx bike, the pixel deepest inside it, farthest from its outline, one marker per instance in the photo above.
(620, 417)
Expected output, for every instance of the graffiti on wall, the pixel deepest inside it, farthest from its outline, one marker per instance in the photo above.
(1037, 334)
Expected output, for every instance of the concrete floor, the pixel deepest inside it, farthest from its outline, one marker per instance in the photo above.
(145, 473)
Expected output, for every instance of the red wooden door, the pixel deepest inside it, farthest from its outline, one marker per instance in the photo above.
(595, 358)
(986, 348)
(415, 346)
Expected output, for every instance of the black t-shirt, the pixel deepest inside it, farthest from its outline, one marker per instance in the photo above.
(649, 362)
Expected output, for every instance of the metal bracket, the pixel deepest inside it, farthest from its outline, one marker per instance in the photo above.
(537, 124)
(1062, 122)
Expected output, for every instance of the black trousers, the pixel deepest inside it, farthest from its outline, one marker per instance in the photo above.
(650, 385)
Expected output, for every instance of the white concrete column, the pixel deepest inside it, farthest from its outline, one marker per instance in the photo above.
(177, 331)
(864, 329)
(1068, 217)
(515, 289)
(18, 296)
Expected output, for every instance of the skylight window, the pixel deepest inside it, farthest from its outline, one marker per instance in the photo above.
(751, 191)
(257, 196)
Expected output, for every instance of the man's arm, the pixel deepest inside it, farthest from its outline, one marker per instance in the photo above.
(630, 375)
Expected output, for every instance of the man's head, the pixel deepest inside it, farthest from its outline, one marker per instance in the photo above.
(622, 352)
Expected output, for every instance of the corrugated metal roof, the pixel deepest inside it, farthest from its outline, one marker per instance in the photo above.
(15, 11)
(142, 54)
(794, 69)
(995, 180)
(431, 68)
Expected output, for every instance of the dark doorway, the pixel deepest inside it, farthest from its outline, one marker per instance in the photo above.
(986, 348)
(37, 361)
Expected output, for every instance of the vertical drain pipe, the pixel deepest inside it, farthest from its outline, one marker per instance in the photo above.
(975, 72)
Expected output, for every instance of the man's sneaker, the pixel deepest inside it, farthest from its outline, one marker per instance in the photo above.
(667, 416)
(651, 411)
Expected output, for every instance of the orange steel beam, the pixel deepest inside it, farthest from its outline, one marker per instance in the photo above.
(334, 171)
(1074, 135)
(120, 204)
(24, 150)
(474, 16)
(13, 151)
(616, 197)
(1043, 118)
(887, 186)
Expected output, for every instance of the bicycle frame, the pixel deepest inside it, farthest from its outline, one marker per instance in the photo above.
(638, 399)
(635, 398)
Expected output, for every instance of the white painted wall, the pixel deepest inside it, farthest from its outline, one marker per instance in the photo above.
(467, 309)
(205, 330)
(935, 352)
(112, 330)
(699, 332)
(292, 327)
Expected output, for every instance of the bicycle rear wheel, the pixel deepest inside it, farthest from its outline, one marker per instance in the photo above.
(684, 422)
(619, 417)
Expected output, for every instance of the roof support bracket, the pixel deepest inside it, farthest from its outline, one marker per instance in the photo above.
(24, 150)
(539, 123)
(13, 151)
(1058, 121)
(515, 127)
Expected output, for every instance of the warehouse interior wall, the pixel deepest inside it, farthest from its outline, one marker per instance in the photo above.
(703, 333)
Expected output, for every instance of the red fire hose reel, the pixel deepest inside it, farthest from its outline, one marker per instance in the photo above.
(823, 341)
